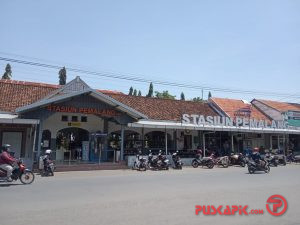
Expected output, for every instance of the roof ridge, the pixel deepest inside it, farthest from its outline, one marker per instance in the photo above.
(29, 83)
(161, 99)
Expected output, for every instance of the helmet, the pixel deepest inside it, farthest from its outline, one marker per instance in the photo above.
(48, 151)
(160, 152)
(256, 149)
(6, 147)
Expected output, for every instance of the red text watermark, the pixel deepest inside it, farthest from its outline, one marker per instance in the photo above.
(276, 206)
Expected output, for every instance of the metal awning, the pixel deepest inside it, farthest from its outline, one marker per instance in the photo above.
(13, 119)
(178, 125)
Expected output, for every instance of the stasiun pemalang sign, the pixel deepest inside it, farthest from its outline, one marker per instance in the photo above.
(199, 120)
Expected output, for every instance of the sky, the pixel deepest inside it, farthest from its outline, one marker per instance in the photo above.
(246, 45)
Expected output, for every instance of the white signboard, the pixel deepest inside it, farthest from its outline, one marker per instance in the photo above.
(229, 122)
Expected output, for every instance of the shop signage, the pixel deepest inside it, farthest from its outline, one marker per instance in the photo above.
(94, 111)
(227, 121)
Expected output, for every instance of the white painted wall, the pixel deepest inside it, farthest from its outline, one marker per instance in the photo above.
(54, 123)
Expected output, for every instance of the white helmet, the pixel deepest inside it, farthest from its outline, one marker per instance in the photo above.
(48, 151)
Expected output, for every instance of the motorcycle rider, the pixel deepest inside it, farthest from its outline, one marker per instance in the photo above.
(6, 161)
(257, 157)
(46, 159)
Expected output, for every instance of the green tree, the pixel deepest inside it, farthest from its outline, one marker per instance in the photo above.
(140, 93)
(209, 95)
(150, 93)
(182, 96)
(135, 92)
(130, 90)
(8, 73)
(164, 94)
(197, 99)
(62, 76)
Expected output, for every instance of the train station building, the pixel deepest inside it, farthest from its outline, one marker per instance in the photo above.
(88, 126)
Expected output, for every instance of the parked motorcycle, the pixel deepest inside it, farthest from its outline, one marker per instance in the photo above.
(272, 159)
(237, 159)
(26, 176)
(222, 161)
(162, 161)
(258, 165)
(291, 158)
(204, 161)
(158, 163)
(140, 163)
(177, 161)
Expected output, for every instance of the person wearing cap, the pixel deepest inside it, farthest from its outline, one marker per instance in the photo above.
(6, 161)
(257, 157)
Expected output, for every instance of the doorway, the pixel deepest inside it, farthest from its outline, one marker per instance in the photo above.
(70, 144)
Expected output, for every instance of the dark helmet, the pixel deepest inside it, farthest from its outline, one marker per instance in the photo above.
(6, 147)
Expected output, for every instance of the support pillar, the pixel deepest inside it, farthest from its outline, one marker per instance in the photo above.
(166, 139)
(203, 136)
(122, 143)
(39, 141)
(232, 144)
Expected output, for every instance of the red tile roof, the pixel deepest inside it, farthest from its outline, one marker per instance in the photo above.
(164, 109)
(14, 94)
(281, 106)
(233, 107)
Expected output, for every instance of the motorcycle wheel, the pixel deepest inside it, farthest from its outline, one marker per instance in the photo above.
(267, 170)
(27, 177)
(242, 164)
(134, 166)
(275, 164)
(195, 164)
(225, 165)
(251, 170)
(210, 165)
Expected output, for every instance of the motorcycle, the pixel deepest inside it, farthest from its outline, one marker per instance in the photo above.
(237, 159)
(222, 161)
(177, 161)
(140, 163)
(205, 161)
(291, 158)
(26, 176)
(258, 165)
(272, 159)
(162, 162)
(49, 169)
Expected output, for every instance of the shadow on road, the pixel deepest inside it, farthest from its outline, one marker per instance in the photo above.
(3, 184)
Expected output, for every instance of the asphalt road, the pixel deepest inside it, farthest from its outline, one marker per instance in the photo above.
(152, 197)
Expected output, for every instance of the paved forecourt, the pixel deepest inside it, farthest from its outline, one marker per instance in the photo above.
(151, 197)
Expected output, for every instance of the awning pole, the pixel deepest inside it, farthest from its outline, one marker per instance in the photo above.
(203, 144)
(166, 137)
(232, 145)
(122, 143)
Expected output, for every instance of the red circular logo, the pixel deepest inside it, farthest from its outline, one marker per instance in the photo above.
(277, 201)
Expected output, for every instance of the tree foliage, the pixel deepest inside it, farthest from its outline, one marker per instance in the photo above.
(8, 73)
(62, 76)
(197, 99)
(164, 95)
(182, 97)
(209, 95)
(135, 92)
(150, 92)
(140, 93)
(130, 91)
